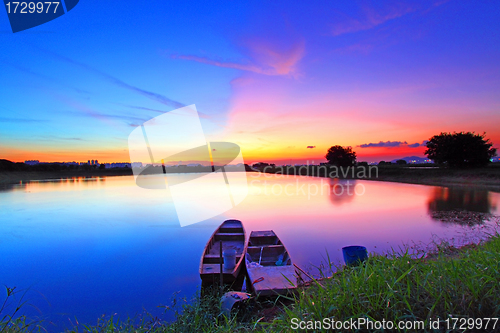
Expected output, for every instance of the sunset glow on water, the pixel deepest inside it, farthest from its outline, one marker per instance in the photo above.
(87, 247)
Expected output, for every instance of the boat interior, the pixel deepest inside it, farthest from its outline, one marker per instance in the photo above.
(266, 249)
(232, 235)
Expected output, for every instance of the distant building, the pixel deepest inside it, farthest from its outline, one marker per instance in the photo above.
(32, 162)
(137, 165)
(116, 165)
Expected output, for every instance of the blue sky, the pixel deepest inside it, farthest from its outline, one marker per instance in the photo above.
(273, 77)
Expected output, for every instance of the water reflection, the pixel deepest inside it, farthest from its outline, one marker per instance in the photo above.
(58, 184)
(460, 205)
(8, 187)
(342, 191)
(81, 242)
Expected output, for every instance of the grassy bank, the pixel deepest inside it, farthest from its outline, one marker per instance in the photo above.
(449, 283)
(461, 283)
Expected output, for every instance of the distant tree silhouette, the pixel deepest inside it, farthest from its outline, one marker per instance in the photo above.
(460, 149)
(341, 156)
(102, 166)
(400, 162)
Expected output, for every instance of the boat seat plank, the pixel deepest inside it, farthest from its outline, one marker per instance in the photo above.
(270, 247)
(230, 236)
(264, 233)
(238, 246)
(214, 269)
(215, 259)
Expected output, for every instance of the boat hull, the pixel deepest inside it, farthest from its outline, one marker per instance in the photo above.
(269, 267)
(232, 235)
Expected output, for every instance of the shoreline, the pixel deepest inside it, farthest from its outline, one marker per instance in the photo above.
(490, 186)
(487, 178)
(8, 178)
(484, 178)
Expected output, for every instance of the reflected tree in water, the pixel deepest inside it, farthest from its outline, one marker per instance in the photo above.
(341, 191)
(460, 205)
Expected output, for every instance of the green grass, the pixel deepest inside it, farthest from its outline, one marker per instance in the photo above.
(466, 284)
(11, 319)
(458, 283)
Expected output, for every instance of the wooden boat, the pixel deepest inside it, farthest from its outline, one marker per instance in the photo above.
(269, 267)
(232, 235)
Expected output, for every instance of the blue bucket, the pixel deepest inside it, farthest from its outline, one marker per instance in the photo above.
(353, 255)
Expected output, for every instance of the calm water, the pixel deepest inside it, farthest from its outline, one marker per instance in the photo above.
(85, 248)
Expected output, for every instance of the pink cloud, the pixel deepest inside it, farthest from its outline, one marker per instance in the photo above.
(267, 60)
(226, 64)
(372, 18)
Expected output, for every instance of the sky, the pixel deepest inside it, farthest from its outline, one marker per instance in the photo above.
(283, 80)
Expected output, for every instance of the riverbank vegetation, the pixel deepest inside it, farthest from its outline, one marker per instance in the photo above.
(435, 290)
(15, 173)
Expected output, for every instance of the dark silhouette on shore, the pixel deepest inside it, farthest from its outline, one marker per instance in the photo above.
(459, 150)
(341, 156)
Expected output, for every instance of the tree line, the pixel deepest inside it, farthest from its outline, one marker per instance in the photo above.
(454, 150)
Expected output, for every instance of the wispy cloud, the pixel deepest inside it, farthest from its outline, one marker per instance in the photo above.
(387, 144)
(151, 95)
(20, 120)
(86, 111)
(57, 138)
(392, 144)
(311, 147)
(141, 108)
(44, 77)
(200, 114)
(270, 61)
(371, 19)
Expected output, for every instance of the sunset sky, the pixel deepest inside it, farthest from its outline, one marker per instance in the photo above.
(273, 77)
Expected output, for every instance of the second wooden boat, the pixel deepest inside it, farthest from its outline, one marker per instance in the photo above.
(232, 235)
(269, 266)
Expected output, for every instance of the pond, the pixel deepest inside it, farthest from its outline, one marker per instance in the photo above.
(83, 248)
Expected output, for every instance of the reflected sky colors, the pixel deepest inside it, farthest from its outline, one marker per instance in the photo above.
(105, 245)
(272, 77)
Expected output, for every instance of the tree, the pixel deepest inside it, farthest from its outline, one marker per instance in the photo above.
(400, 162)
(460, 149)
(341, 156)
